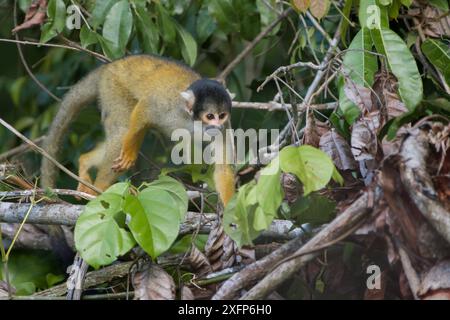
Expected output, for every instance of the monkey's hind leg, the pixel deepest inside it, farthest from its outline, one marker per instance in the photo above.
(132, 140)
(88, 160)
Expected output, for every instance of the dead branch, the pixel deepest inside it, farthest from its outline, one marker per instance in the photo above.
(67, 214)
(352, 216)
(41, 192)
(274, 106)
(418, 183)
(53, 214)
(256, 270)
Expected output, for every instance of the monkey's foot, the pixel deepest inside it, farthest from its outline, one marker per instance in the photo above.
(124, 162)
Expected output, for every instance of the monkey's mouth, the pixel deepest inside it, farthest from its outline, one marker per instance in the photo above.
(213, 131)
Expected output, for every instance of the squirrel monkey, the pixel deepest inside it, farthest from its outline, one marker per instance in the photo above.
(134, 94)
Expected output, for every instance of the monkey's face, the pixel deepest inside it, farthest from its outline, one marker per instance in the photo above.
(214, 121)
(209, 102)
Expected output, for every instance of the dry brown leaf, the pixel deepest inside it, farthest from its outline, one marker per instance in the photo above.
(436, 282)
(214, 246)
(339, 150)
(187, 294)
(291, 187)
(151, 282)
(319, 8)
(301, 5)
(364, 137)
(199, 262)
(359, 95)
(4, 289)
(35, 15)
(385, 95)
(394, 106)
(436, 23)
(311, 136)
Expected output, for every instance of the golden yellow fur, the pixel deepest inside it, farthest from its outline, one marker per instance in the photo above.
(134, 93)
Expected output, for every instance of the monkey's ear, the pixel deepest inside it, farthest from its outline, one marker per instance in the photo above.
(189, 97)
(232, 95)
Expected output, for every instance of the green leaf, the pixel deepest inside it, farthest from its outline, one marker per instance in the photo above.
(184, 244)
(205, 25)
(350, 111)
(345, 21)
(312, 166)
(98, 236)
(336, 176)
(406, 2)
(166, 25)
(87, 37)
(147, 31)
(56, 13)
(359, 63)
(100, 11)
(314, 209)
(117, 29)
(269, 193)
(262, 220)
(394, 9)
(439, 55)
(239, 217)
(224, 13)
(155, 221)
(440, 4)
(175, 189)
(372, 15)
(402, 64)
(360, 66)
(189, 46)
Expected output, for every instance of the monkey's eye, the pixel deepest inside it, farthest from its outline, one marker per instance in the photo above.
(222, 115)
(210, 116)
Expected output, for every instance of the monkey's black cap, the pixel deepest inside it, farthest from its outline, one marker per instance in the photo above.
(209, 92)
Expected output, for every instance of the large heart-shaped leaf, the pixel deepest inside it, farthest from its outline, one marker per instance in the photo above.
(155, 220)
(269, 193)
(99, 237)
(312, 166)
(239, 217)
(176, 191)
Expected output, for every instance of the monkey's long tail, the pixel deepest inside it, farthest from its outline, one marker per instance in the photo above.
(78, 97)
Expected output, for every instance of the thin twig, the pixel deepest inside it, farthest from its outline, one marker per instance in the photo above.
(223, 75)
(45, 154)
(19, 149)
(284, 69)
(75, 45)
(24, 62)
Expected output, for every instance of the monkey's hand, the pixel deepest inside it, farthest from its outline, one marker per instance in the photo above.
(125, 161)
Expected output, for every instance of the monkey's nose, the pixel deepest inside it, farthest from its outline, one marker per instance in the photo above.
(213, 130)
